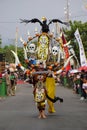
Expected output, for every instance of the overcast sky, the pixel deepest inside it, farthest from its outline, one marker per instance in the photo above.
(12, 10)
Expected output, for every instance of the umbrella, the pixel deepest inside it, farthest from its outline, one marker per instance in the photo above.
(83, 68)
(74, 71)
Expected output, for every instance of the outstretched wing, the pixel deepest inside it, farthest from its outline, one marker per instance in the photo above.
(59, 21)
(32, 21)
(25, 21)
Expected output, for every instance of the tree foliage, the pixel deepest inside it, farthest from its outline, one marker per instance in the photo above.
(9, 57)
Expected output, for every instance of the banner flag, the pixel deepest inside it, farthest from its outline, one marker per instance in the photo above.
(68, 67)
(83, 60)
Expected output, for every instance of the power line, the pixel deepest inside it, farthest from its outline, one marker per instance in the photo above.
(13, 22)
(9, 22)
(82, 15)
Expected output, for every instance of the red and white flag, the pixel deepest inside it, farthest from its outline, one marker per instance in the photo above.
(68, 67)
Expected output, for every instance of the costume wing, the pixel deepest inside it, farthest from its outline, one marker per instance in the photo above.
(32, 21)
(25, 21)
(59, 21)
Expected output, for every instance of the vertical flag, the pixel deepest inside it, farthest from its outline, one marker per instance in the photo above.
(68, 67)
(83, 60)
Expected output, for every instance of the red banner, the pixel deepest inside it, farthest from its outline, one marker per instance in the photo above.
(68, 67)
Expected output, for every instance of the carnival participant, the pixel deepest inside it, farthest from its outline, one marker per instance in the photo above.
(13, 81)
(40, 96)
(50, 86)
(40, 81)
(51, 92)
(43, 23)
(8, 83)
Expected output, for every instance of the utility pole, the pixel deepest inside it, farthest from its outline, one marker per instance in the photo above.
(85, 4)
(57, 30)
(16, 41)
(0, 41)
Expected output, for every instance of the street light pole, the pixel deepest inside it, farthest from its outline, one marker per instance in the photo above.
(0, 41)
(66, 11)
(16, 40)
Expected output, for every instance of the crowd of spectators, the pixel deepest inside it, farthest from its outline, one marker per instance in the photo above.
(77, 81)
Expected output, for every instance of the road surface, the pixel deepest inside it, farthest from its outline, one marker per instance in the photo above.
(20, 113)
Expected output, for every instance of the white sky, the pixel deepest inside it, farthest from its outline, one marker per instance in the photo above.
(12, 10)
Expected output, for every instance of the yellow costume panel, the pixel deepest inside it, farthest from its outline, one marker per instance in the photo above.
(50, 86)
(43, 45)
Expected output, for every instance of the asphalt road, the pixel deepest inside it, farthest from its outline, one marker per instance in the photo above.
(20, 113)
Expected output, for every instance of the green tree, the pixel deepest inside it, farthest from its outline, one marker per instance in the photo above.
(9, 57)
(8, 54)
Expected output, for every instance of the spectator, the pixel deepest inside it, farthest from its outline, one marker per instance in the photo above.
(0, 83)
(83, 93)
(77, 83)
(8, 83)
(85, 85)
(13, 81)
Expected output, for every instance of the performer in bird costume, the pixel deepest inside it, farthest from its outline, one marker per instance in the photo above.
(41, 93)
(43, 23)
(50, 81)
